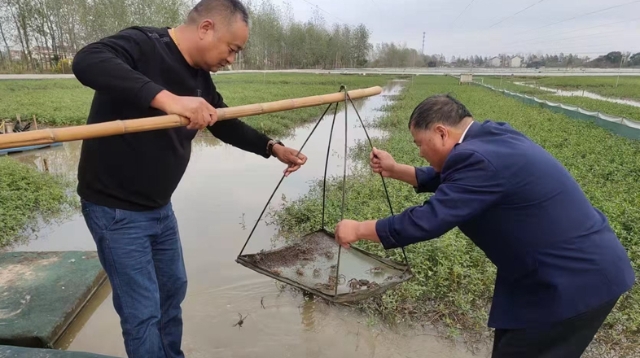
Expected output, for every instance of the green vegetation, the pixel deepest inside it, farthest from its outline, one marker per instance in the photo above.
(628, 87)
(53, 102)
(596, 105)
(67, 102)
(589, 104)
(28, 196)
(454, 282)
(507, 84)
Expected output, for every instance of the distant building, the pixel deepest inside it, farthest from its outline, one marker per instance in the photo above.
(15, 55)
(495, 62)
(515, 61)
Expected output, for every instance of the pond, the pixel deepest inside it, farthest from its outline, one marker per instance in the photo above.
(217, 203)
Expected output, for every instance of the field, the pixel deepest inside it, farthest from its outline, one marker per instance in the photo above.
(27, 196)
(590, 104)
(455, 280)
(628, 87)
(66, 102)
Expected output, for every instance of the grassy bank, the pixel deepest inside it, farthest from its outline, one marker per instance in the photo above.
(590, 104)
(28, 196)
(66, 102)
(454, 282)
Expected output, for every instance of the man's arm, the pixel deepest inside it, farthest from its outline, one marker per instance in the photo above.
(404, 173)
(472, 186)
(422, 179)
(427, 180)
(108, 65)
(237, 133)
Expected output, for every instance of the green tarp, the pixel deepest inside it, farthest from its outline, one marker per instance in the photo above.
(20, 352)
(42, 292)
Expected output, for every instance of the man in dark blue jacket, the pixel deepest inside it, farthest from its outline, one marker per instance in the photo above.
(560, 266)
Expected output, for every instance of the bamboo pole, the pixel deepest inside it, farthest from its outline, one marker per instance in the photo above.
(118, 127)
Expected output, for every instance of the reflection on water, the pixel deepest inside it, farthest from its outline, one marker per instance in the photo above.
(307, 313)
(62, 160)
(102, 294)
(218, 201)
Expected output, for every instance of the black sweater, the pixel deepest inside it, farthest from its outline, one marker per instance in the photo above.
(140, 171)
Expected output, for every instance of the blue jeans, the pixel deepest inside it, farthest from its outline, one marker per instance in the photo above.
(141, 254)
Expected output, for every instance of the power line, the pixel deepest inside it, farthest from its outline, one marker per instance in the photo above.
(552, 36)
(330, 14)
(566, 32)
(579, 16)
(465, 9)
(577, 37)
(510, 16)
(602, 44)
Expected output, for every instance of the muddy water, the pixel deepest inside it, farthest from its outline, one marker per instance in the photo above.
(582, 93)
(217, 203)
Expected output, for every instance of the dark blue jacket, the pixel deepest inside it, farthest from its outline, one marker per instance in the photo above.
(556, 255)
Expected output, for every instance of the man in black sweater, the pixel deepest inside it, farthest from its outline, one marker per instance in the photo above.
(126, 181)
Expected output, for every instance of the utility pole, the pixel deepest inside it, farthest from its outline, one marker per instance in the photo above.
(423, 34)
(620, 70)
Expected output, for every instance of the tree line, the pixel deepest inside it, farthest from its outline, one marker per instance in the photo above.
(43, 36)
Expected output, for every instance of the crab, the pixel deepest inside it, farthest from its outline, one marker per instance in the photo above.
(372, 285)
(354, 284)
(241, 320)
(333, 269)
(316, 273)
(341, 279)
(300, 272)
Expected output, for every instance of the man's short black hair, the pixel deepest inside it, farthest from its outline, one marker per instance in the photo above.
(225, 8)
(441, 108)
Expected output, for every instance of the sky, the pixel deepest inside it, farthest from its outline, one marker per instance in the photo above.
(489, 27)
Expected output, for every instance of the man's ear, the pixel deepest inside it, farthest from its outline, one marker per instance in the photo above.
(205, 26)
(442, 132)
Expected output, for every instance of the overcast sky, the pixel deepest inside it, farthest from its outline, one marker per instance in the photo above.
(489, 27)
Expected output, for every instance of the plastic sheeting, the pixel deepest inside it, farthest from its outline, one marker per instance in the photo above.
(621, 126)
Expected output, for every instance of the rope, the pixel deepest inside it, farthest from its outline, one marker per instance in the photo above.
(347, 99)
(384, 184)
(326, 164)
(344, 180)
(281, 179)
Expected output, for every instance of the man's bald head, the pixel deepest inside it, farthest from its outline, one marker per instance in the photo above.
(221, 9)
(214, 32)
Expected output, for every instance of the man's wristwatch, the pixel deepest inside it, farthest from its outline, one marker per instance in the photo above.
(270, 146)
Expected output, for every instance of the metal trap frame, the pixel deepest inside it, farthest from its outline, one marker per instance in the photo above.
(313, 262)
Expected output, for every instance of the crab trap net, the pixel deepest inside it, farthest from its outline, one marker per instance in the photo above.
(315, 262)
